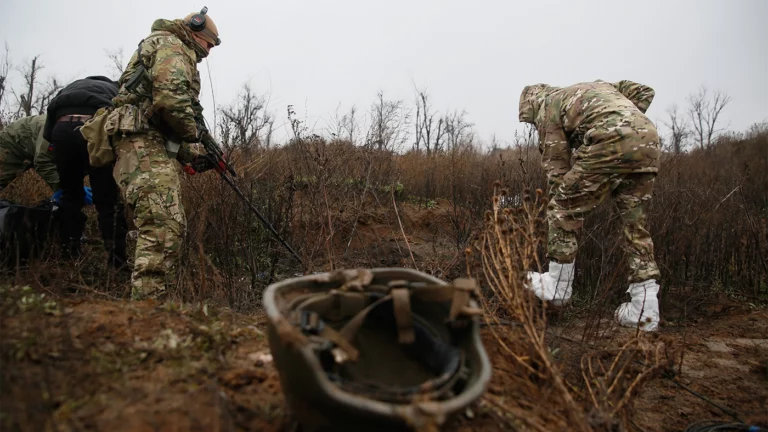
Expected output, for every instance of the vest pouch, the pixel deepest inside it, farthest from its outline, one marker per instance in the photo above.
(126, 119)
(95, 132)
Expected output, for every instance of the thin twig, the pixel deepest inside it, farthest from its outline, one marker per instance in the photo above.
(392, 192)
(713, 210)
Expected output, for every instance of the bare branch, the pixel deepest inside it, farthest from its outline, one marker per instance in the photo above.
(679, 130)
(246, 121)
(704, 113)
(5, 69)
(457, 130)
(117, 63)
(426, 135)
(389, 120)
(26, 99)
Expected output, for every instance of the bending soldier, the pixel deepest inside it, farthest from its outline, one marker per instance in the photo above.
(22, 146)
(616, 154)
(72, 106)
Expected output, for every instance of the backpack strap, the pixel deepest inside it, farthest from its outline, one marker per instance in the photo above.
(141, 74)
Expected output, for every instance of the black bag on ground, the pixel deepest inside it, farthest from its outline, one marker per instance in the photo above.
(25, 232)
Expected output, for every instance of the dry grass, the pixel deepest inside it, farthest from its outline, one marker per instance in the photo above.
(708, 217)
(543, 399)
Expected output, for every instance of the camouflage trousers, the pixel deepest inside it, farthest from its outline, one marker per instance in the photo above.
(151, 187)
(580, 193)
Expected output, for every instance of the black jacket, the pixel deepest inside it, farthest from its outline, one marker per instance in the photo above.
(84, 96)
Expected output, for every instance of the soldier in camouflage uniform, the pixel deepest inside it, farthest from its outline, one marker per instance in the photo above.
(616, 149)
(167, 95)
(22, 146)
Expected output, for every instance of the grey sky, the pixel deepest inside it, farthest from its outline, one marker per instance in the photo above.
(472, 55)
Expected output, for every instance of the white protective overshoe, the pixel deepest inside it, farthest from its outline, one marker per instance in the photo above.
(554, 286)
(643, 309)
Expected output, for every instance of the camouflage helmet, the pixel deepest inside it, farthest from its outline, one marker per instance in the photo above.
(530, 102)
(376, 349)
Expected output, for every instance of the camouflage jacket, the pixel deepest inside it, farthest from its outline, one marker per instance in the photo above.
(22, 141)
(169, 91)
(604, 121)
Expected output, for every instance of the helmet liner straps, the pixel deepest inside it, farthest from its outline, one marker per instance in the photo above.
(376, 344)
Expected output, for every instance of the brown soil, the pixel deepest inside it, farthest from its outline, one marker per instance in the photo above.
(71, 362)
(113, 365)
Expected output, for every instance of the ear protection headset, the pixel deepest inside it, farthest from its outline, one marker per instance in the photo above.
(197, 22)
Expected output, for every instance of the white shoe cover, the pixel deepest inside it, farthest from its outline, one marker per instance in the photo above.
(555, 286)
(643, 309)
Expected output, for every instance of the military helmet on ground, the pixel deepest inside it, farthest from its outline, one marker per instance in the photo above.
(376, 349)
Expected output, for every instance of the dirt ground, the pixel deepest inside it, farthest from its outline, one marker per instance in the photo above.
(87, 364)
(83, 362)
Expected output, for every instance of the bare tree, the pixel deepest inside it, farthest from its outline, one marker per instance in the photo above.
(458, 131)
(35, 96)
(246, 121)
(349, 123)
(429, 133)
(49, 91)
(704, 113)
(757, 129)
(388, 122)
(346, 126)
(679, 130)
(5, 69)
(25, 100)
(117, 63)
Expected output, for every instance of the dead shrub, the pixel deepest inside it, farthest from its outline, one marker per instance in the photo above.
(542, 399)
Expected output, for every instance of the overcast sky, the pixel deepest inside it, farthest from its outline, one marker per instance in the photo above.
(473, 55)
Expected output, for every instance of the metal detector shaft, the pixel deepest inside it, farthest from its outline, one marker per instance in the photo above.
(255, 211)
(216, 156)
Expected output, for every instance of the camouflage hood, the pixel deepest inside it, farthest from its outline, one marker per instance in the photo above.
(531, 100)
(178, 28)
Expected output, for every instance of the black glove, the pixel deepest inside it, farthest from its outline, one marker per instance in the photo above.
(199, 164)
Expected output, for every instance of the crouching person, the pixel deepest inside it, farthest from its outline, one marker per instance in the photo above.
(616, 149)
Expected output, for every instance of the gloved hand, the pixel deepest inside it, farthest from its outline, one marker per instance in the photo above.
(199, 164)
(88, 195)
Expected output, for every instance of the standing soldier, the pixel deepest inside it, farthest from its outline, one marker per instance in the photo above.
(160, 87)
(616, 154)
(22, 146)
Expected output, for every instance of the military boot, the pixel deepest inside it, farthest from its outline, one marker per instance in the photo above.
(643, 309)
(71, 228)
(554, 286)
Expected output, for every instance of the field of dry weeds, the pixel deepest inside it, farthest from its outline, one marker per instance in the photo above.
(78, 354)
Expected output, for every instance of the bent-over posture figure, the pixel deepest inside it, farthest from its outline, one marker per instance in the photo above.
(616, 149)
(22, 146)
